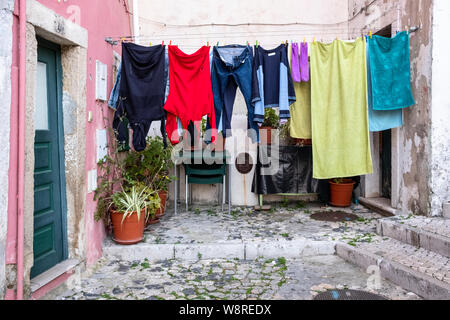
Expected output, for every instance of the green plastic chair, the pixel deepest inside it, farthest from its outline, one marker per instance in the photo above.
(205, 174)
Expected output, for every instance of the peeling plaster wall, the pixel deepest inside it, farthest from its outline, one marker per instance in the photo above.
(412, 142)
(74, 60)
(440, 111)
(6, 26)
(157, 23)
(31, 67)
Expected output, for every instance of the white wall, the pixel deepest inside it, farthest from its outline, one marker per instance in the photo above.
(440, 110)
(158, 22)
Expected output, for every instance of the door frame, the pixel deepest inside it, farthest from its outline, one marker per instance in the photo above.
(372, 185)
(61, 153)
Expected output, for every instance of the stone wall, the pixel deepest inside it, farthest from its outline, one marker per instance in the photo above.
(440, 111)
(31, 67)
(74, 60)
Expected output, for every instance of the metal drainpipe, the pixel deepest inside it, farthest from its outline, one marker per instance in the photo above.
(21, 149)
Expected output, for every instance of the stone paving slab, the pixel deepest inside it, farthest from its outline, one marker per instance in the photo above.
(432, 234)
(422, 271)
(221, 279)
(438, 226)
(418, 259)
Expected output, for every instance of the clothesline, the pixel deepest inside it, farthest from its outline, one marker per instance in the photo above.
(348, 95)
(245, 33)
(352, 34)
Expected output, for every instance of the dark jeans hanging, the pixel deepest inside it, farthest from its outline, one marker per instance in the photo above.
(232, 68)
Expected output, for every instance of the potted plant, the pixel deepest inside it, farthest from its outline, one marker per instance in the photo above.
(110, 179)
(285, 134)
(129, 212)
(151, 168)
(341, 190)
(271, 122)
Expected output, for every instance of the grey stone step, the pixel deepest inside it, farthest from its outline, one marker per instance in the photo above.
(421, 271)
(379, 205)
(432, 234)
(248, 250)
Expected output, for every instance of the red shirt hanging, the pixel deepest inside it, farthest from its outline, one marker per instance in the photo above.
(190, 94)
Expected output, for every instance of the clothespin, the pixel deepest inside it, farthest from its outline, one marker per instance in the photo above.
(314, 39)
(407, 29)
(287, 43)
(170, 42)
(247, 42)
(150, 44)
(370, 34)
(257, 43)
(163, 42)
(217, 43)
(304, 39)
(207, 43)
(123, 40)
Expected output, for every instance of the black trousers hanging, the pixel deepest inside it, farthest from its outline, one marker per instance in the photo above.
(142, 92)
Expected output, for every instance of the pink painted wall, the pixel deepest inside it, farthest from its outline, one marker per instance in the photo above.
(102, 19)
(11, 240)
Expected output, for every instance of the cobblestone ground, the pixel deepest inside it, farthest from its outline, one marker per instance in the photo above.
(282, 222)
(262, 279)
(265, 279)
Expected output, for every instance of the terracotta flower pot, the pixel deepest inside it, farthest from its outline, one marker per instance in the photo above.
(155, 220)
(131, 231)
(265, 134)
(341, 193)
(163, 196)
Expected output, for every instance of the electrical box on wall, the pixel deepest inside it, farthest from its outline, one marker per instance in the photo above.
(101, 81)
(92, 181)
(102, 144)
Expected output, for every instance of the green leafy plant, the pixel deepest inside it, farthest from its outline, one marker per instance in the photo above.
(271, 119)
(150, 167)
(341, 180)
(300, 204)
(285, 130)
(110, 180)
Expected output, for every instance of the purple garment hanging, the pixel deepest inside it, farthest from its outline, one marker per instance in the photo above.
(295, 63)
(304, 62)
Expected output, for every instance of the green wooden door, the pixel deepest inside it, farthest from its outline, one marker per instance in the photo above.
(49, 193)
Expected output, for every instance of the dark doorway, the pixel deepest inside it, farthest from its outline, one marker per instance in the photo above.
(386, 143)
